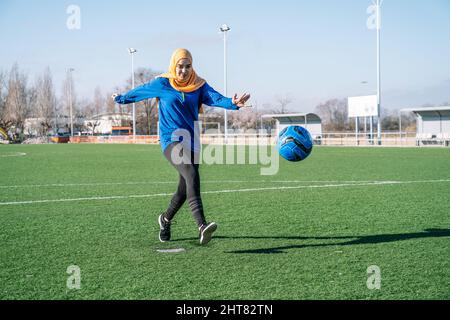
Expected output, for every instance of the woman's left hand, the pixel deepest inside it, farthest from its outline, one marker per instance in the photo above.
(240, 102)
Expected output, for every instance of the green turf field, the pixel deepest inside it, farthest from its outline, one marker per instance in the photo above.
(309, 232)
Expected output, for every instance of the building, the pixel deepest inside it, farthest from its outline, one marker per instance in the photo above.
(433, 125)
(309, 121)
(103, 124)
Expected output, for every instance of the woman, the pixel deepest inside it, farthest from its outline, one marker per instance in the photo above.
(181, 94)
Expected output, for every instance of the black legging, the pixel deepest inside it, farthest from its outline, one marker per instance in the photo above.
(188, 184)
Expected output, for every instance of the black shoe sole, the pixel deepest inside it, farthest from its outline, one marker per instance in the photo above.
(206, 234)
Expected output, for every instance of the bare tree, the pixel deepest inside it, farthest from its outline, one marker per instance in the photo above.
(334, 115)
(99, 101)
(391, 121)
(44, 104)
(68, 100)
(4, 123)
(84, 109)
(244, 119)
(282, 102)
(110, 104)
(88, 108)
(2, 88)
(409, 122)
(17, 99)
(143, 76)
(92, 125)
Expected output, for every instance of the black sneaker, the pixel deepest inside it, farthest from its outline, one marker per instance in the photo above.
(164, 229)
(206, 232)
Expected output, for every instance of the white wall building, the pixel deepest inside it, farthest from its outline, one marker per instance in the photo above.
(433, 125)
(104, 122)
(309, 121)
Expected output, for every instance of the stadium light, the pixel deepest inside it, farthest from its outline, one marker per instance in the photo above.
(224, 29)
(132, 51)
(70, 100)
(378, 4)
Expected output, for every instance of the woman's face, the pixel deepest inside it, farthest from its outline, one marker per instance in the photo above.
(184, 69)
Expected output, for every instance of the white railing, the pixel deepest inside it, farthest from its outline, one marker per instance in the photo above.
(399, 139)
(361, 139)
(388, 139)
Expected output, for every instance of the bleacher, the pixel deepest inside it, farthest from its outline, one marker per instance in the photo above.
(423, 139)
(433, 125)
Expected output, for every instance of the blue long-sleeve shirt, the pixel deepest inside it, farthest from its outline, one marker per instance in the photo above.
(177, 110)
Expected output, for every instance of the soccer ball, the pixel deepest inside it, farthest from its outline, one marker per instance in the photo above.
(294, 143)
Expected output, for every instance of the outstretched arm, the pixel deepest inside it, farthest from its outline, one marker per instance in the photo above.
(240, 102)
(146, 91)
(212, 98)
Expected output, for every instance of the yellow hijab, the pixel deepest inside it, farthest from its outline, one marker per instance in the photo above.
(193, 83)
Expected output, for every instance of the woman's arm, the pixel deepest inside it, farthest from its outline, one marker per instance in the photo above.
(212, 98)
(146, 91)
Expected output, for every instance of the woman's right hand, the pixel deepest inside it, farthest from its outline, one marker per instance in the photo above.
(240, 101)
(114, 95)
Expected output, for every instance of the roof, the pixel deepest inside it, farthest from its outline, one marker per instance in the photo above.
(293, 116)
(112, 114)
(431, 109)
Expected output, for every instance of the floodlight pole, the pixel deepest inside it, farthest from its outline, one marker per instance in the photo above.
(379, 72)
(224, 29)
(70, 101)
(132, 51)
(371, 130)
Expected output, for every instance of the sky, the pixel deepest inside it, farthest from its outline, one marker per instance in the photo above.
(311, 51)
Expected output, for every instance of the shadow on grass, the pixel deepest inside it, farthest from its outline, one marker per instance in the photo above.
(356, 240)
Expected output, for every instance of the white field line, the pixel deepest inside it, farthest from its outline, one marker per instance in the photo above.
(13, 154)
(54, 185)
(51, 185)
(278, 188)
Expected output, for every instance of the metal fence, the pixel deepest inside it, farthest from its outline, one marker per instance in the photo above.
(349, 139)
(345, 139)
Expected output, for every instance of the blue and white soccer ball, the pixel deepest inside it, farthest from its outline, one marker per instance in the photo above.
(294, 143)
